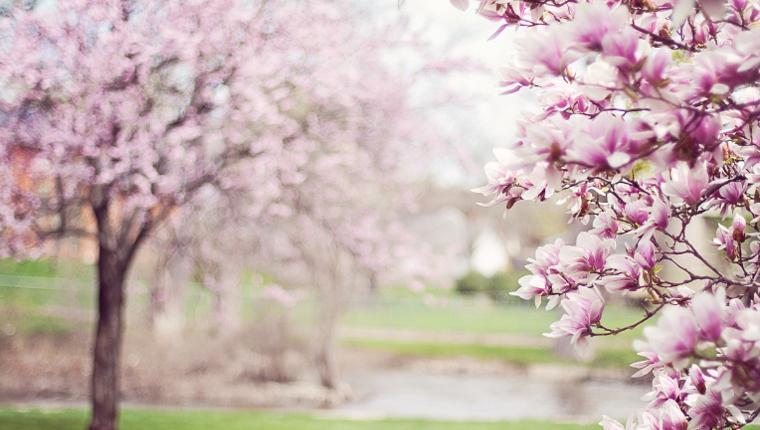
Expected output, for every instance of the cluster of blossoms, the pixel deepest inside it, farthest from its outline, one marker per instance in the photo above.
(115, 115)
(649, 127)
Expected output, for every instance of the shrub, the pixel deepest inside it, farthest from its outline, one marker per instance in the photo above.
(501, 284)
(472, 283)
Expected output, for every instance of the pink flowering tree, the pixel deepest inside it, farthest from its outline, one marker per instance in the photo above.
(116, 113)
(332, 218)
(648, 124)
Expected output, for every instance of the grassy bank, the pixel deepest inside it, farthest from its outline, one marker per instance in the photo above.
(518, 355)
(454, 313)
(143, 419)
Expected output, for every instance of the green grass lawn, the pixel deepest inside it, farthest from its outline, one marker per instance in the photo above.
(467, 315)
(519, 355)
(144, 419)
(69, 284)
(35, 297)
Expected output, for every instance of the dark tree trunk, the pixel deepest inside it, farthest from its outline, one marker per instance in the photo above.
(116, 249)
(325, 361)
(112, 269)
(325, 355)
(373, 285)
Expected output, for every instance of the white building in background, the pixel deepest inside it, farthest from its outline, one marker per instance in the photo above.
(489, 253)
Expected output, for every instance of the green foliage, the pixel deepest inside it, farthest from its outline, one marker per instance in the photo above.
(472, 283)
(9, 266)
(496, 287)
(144, 419)
(503, 283)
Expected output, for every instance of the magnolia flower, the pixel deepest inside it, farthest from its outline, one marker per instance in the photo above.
(637, 211)
(606, 225)
(645, 123)
(708, 312)
(546, 258)
(532, 286)
(703, 131)
(659, 214)
(594, 21)
(674, 337)
(645, 254)
(588, 256)
(729, 239)
(605, 146)
(706, 410)
(513, 80)
(730, 195)
(668, 416)
(598, 80)
(738, 228)
(665, 388)
(726, 242)
(623, 48)
(502, 179)
(544, 180)
(583, 309)
(687, 184)
(460, 4)
(655, 66)
(608, 423)
(749, 321)
(544, 267)
(579, 198)
(546, 50)
(651, 360)
(697, 379)
(627, 276)
(671, 417)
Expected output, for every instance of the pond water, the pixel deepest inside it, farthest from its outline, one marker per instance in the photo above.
(406, 393)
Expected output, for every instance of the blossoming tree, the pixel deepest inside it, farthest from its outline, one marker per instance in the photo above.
(116, 113)
(345, 186)
(648, 124)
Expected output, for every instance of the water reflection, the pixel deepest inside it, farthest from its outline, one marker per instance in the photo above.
(415, 393)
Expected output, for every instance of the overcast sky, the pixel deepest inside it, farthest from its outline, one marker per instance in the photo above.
(490, 120)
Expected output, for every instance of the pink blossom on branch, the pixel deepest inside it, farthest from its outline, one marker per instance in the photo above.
(583, 310)
(116, 114)
(648, 124)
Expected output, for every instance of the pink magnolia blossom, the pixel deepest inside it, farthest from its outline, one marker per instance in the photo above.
(583, 309)
(708, 312)
(647, 126)
(730, 196)
(645, 254)
(606, 225)
(637, 211)
(544, 267)
(627, 278)
(655, 66)
(729, 239)
(687, 184)
(706, 410)
(665, 388)
(674, 337)
(586, 258)
(595, 21)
